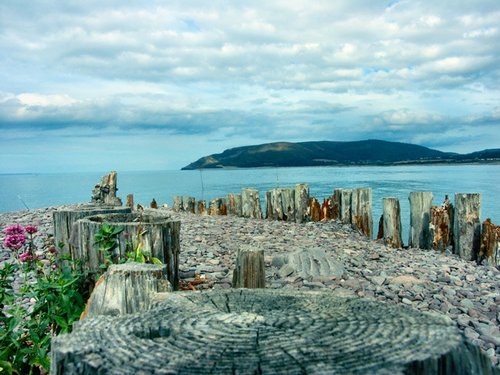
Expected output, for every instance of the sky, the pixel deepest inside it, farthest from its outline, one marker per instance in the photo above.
(98, 85)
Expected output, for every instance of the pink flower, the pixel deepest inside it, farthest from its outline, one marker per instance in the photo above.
(14, 241)
(14, 229)
(52, 250)
(25, 257)
(31, 229)
(126, 235)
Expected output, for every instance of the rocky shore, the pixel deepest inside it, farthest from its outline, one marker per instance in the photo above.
(425, 280)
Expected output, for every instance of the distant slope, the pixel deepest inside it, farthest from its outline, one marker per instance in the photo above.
(323, 153)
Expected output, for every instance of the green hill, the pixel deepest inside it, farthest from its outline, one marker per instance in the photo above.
(322, 153)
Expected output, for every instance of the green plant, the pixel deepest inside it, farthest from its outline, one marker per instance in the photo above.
(137, 254)
(107, 240)
(56, 287)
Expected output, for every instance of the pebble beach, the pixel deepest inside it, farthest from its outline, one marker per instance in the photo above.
(425, 280)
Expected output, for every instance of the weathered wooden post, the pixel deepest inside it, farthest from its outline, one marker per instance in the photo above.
(158, 236)
(467, 225)
(234, 204)
(281, 203)
(361, 210)
(392, 223)
(65, 220)
(249, 271)
(269, 205)
(345, 205)
(127, 288)
(490, 244)
(130, 201)
(250, 204)
(188, 204)
(201, 207)
(420, 212)
(178, 204)
(301, 195)
(153, 204)
(217, 207)
(326, 209)
(314, 209)
(336, 204)
(105, 191)
(441, 225)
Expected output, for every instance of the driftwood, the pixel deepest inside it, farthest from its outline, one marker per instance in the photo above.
(490, 244)
(420, 212)
(361, 210)
(392, 223)
(105, 191)
(65, 219)
(301, 202)
(160, 239)
(250, 270)
(467, 225)
(250, 204)
(127, 288)
(234, 204)
(261, 331)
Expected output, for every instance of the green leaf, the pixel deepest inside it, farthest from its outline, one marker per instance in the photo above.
(155, 260)
(5, 367)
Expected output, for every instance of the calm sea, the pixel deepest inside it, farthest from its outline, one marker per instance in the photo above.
(41, 190)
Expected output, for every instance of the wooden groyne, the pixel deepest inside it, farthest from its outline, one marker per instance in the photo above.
(455, 228)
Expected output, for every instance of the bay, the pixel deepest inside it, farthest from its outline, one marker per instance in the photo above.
(18, 191)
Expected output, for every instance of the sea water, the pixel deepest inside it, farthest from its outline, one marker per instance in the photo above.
(21, 191)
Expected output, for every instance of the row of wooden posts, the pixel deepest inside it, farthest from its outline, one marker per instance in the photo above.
(456, 226)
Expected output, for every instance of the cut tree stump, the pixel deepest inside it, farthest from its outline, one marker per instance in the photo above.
(261, 331)
(467, 225)
(281, 204)
(361, 210)
(490, 244)
(392, 223)
(301, 195)
(127, 288)
(420, 214)
(250, 270)
(250, 204)
(160, 239)
(65, 219)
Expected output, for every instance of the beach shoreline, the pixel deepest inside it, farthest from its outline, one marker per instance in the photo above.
(428, 281)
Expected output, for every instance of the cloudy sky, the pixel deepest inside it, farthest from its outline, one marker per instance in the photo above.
(141, 85)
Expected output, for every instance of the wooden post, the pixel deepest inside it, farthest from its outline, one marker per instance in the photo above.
(326, 209)
(130, 201)
(105, 191)
(345, 205)
(361, 210)
(336, 198)
(441, 226)
(467, 225)
(250, 204)
(127, 288)
(153, 204)
(217, 207)
(188, 204)
(301, 195)
(201, 208)
(160, 239)
(249, 271)
(380, 232)
(392, 223)
(178, 205)
(65, 219)
(420, 211)
(281, 203)
(314, 209)
(490, 244)
(234, 204)
(265, 331)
